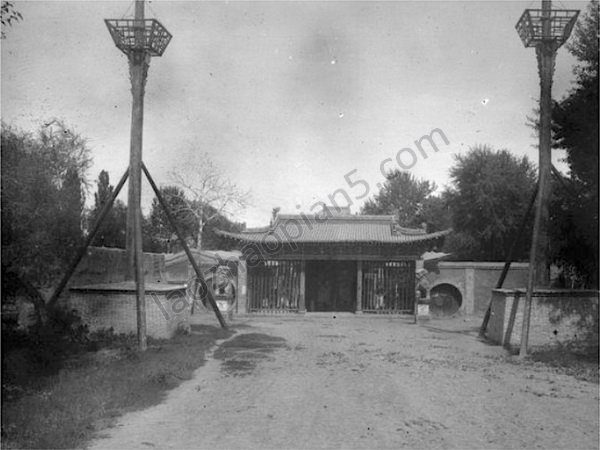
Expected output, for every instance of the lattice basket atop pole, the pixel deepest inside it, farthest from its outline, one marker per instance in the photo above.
(131, 35)
(530, 27)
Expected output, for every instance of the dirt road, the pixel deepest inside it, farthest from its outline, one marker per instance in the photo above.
(365, 382)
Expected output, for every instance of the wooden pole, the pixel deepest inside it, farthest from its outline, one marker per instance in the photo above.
(138, 71)
(173, 223)
(539, 267)
(546, 54)
(103, 213)
(509, 258)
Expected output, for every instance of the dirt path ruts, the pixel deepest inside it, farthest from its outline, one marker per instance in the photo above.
(361, 382)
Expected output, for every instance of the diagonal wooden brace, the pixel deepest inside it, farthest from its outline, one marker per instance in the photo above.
(509, 259)
(103, 213)
(193, 262)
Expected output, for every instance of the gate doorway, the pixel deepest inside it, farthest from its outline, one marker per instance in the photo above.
(331, 286)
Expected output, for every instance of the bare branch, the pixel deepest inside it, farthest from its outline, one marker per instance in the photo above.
(208, 192)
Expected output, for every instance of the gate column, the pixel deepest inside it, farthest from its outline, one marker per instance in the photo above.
(302, 303)
(359, 278)
(242, 289)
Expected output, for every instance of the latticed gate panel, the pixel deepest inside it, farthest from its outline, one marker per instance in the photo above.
(388, 287)
(274, 286)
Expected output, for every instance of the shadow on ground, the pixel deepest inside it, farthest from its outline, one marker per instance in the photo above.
(241, 354)
(468, 330)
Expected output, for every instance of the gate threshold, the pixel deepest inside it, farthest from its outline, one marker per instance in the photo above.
(332, 314)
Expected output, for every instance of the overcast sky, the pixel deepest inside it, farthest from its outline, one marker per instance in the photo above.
(287, 98)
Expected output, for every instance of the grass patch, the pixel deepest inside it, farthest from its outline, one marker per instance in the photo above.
(65, 406)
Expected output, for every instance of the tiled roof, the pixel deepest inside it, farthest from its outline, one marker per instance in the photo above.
(336, 229)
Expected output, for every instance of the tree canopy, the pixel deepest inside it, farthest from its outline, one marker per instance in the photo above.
(575, 124)
(208, 194)
(8, 15)
(43, 180)
(113, 230)
(162, 237)
(411, 200)
(488, 199)
(159, 229)
(211, 240)
(575, 117)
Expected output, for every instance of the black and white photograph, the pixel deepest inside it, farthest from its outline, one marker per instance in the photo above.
(308, 224)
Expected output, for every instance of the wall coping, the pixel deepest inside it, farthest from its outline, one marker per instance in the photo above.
(129, 287)
(481, 265)
(92, 249)
(572, 293)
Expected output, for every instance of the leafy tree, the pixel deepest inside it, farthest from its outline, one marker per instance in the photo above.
(436, 213)
(584, 44)
(575, 125)
(69, 221)
(411, 200)
(162, 238)
(574, 235)
(576, 116)
(113, 230)
(8, 15)
(148, 243)
(212, 241)
(488, 199)
(161, 234)
(43, 177)
(209, 194)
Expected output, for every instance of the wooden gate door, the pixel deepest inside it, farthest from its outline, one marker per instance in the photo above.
(274, 286)
(388, 287)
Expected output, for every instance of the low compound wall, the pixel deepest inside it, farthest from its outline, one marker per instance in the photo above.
(178, 269)
(558, 317)
(114, 306)
(474, 282)
(109, 265)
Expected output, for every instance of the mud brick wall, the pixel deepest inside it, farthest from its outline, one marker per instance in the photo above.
(454, 274)
(109, 265)
(475, 281)
(557, 317)
(114, 306)
(486, 278)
